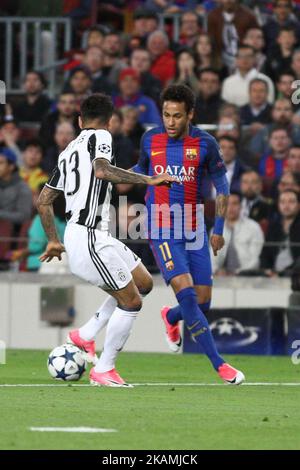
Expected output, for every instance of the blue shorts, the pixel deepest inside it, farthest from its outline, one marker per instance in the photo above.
(174, 258)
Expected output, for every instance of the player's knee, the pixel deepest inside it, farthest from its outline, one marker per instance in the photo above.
(146, 287)
(133, 304)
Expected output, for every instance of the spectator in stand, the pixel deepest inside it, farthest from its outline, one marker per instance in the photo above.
(280, 55)
(254, 205)
(229, 133)
(228, 24)
(171, 6)
(79, 11)
(235, 168)
(278, 259)
(288, 180)
(145, 21)
(190, 27)
(10, 138)
(236, 87)
(95, 37)
(94, 61)
(112, 49)
(31, 171)
(229, 125)
(64, 134)
(288, 87)
(35, 104)
(206, 55)
(284, 85)
(254, 37)
(258, 112)
(282, 115)
(79, 84)
(295, 65)
(293, 161)
(140, 60)
(282, 17)
(185, 73)
(15, 195)
(123, 148)
(244, 240)
(273, 163)
(163, 61)
(208, 100)
(131, 128)
(37, 239)
(130, 94)
(66, 112)
(231, 111)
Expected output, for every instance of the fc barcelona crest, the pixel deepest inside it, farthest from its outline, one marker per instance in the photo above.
(170, 265)
(191, 154)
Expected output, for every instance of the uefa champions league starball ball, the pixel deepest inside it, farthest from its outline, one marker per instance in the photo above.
(66, 362)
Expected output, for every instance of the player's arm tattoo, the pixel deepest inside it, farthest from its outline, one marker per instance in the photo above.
(45, 210)
(221, 205)
(105, 171)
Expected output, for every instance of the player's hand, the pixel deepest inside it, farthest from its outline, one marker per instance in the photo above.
(217, 242)
(163, 180)
(54, 249)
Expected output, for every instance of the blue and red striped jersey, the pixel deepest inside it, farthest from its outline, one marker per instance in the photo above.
(271, 167)
(189, 159)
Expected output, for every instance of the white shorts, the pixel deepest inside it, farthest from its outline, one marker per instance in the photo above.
(98, 258)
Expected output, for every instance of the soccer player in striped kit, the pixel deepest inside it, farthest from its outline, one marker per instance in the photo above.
(177, 232)
(84, 173)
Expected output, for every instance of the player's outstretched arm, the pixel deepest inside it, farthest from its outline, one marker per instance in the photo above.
(45, 210)
(105, 171)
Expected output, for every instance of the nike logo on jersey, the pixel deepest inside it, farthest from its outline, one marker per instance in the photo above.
(153, 154)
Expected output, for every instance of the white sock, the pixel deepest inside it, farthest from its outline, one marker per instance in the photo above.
(99, 320)
(117, 333)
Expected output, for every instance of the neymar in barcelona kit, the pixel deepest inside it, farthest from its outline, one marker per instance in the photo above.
(176, 228)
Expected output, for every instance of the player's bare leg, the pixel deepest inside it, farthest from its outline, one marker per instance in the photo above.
(142, 279)
(84, 337)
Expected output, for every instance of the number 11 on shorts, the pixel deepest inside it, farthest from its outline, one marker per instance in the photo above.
(165, 251)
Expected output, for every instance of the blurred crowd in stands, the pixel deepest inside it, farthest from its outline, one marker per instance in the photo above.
(242, 60)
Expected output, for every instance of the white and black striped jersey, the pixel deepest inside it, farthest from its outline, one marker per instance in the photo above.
(87, 197)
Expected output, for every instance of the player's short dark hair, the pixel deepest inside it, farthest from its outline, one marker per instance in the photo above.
(97, 106)
(179, 94)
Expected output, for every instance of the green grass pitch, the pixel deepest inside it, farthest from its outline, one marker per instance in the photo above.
(153, 417)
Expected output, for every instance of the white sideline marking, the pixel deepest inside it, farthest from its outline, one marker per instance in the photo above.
(81, 429)
(164, 384)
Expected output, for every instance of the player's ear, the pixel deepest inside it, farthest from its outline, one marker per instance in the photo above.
(80, 122)
(191, 114)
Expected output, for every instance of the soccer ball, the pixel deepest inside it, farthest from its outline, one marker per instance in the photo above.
(66, 362)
